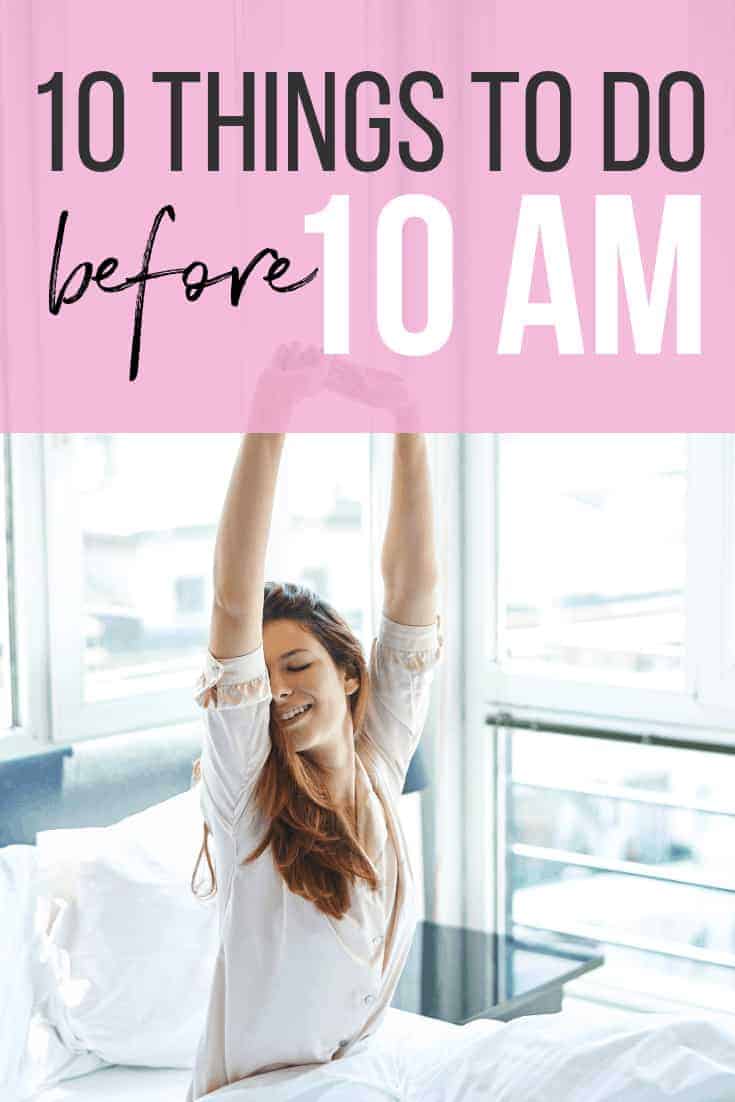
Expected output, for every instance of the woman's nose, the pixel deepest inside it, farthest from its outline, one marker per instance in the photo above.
(280, 692)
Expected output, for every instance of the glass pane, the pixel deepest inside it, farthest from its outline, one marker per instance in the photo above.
(6, 690)
(648, 804)
(667, 808)
(564, 897)
(320, 536)
(150, 505)
(593, 555)
(701, 985)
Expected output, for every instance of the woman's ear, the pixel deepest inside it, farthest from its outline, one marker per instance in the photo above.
(352, 684)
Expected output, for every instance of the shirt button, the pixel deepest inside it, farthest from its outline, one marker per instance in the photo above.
(343, 1044)
(377, 939)
(367, 999)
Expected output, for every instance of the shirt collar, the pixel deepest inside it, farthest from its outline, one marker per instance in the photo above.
(371, 827)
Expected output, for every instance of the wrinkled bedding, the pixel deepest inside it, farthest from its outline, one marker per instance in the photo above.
(637, 1058)
(536, 1059)
(122, 1085)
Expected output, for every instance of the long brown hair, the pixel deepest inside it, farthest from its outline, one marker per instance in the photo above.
(314, 846)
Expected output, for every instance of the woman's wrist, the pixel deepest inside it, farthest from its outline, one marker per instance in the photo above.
(266, 443)
(268, 438)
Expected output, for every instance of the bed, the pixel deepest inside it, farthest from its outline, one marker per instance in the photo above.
(78, 968)
(539, 1059)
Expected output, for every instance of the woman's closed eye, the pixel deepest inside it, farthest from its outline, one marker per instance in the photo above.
(296, 669)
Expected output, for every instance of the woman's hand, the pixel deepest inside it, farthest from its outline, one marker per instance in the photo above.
(295, 372)
(298, 372)
(379, 389)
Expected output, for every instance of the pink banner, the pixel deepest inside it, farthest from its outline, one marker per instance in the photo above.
(318, 217)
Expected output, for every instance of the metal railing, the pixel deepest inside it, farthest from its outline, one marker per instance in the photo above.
(628, 796)
(509, 850)
(642, 738)
(620, 868)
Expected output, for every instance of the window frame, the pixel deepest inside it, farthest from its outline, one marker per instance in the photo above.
(703, 713)
(28, 583)
(49, 663)
(73, 719)
(706, 705)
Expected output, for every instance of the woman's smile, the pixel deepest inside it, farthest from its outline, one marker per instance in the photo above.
(296, 713)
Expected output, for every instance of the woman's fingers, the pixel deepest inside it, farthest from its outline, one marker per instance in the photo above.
(294, 356)
(296, 371)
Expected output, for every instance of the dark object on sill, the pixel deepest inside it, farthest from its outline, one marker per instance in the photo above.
(105, 780)
(29, 780)
(457, 974)
(28, 765)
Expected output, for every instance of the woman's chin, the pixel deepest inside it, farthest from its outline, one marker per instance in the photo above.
(303, 738)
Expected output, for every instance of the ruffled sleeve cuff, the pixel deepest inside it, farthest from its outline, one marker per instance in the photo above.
(415, 647)
(231, 682)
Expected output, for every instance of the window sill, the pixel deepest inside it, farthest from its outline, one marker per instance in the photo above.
(595, 991)
(22, 748)
(16, 747)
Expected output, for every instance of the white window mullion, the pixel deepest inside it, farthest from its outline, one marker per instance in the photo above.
(9, 716)
(477, 479)
(710, 577)
(65, 586)
(704, 536)
(381, 453)
(29, 583)
(450, 887)
(727, 596)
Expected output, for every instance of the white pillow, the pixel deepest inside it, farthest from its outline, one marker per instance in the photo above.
(134, 949)
(19, 959)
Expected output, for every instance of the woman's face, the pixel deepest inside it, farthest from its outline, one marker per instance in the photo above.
(310, 693)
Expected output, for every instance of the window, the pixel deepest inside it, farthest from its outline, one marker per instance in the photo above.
(148, 507)
(322, 518)
(593, 555)
(189, 594)
(614, 589)
(132, 524)
(613, 622)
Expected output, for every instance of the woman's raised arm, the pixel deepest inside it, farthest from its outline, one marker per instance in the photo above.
(242, 540)
(409, 561)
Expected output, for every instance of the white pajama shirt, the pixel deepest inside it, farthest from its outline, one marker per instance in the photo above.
(291, 985)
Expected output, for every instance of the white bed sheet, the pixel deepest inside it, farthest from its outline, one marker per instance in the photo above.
(122, 1085)
(641, 1058)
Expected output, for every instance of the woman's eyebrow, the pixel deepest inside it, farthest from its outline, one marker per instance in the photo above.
(298, 650)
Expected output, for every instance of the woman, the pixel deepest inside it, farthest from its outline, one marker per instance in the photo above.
(303, 764)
